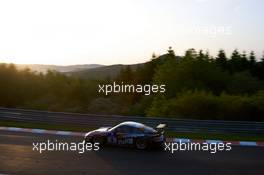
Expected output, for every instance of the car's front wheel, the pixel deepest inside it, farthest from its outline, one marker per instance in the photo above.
(141, 144)
(99, 140)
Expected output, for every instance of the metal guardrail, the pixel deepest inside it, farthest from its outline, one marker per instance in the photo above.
(90, 120)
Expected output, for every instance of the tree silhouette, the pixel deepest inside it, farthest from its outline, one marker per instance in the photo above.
(221, 59)
(238, 62)
(171, 51)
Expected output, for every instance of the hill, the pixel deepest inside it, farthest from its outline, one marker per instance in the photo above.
(44, 68)
(101, 72)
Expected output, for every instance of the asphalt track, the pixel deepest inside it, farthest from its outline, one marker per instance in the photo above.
(17, 157)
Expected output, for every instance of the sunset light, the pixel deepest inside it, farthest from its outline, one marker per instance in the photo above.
(123, 31)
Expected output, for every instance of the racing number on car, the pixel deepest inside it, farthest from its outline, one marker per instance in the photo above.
(112, 139)
(125, 141)
(120, 140)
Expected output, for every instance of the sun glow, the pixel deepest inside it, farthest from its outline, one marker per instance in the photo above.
(108, 32)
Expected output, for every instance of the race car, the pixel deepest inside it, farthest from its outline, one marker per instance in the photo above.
(128, 134)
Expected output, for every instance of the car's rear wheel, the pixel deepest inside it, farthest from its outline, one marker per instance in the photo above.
(141, 144)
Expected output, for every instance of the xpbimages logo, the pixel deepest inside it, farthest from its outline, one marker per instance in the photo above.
(130, 88)
(80, 147)
(190, 146)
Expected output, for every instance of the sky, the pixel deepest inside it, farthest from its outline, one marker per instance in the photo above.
(67, 32)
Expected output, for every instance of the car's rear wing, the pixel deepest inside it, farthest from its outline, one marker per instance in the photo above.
(160, 127)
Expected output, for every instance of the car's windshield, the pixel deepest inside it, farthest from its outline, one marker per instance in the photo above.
(113, 128)
(142, 127)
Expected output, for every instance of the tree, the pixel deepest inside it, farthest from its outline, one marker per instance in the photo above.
(190, 54)
(201, 55)
(252, 58)
(238, 62)
(221, 59)
(153, 56)
(252, 64)
(190, 74)
(207, 56)
(126, 75)
(260, 68)
(171, 51)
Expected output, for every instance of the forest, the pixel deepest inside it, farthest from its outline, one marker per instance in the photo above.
(198, 86)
